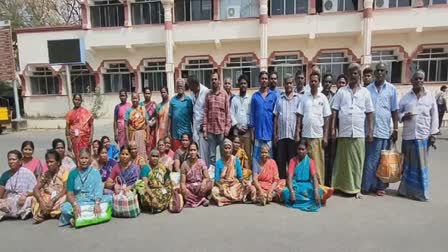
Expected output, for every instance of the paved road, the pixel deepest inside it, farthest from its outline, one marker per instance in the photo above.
(375, 224)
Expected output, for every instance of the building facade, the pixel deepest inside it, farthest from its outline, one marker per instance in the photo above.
(133, 44)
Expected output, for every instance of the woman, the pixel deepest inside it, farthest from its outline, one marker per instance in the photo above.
(105, 164)
(16, 188)
(126, 170)
(84, 188)
(119, 123)
(241, 154)
(155, 189)
(150, 107)
(266, 180)
(49, 193)
(28, 161)
(164, 159)
(95, 154)
(162, 110)
(137, 125)
(195, 181)
(229, 187)
(67, 161)
(182, 152)
(168, 149)
(79, 127)
(303, 191)
(135, 157)
(112, 151)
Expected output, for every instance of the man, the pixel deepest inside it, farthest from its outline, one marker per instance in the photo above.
(119, 114)
(180, 115)
(367, 76)
(228, 88)
(285, 125)
(418, 112)
(262, 117)
(441, 104)
(314, 69)
(198, 94)
(350, 106)
(216, 118)
(314, 113)
(385, 101)
(300, 82)
(273, 84)
(330, 149)
(240, 114)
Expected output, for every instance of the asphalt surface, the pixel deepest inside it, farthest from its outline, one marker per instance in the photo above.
(388, 223)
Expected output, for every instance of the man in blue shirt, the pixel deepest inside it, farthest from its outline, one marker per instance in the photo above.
(262, 117)
(180, 115)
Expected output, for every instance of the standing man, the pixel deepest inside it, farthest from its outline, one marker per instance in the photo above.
(119, 123)
(350, 106)
(180, 115)
(300, 82)
(216, 118)
(367, 76)
(441, 104)
(198, 94)
(228, 88)
(273, 80)
(385, 100)
(240, 114)
(314, 113)
(285, 125)
(418, 112)
(262, 117)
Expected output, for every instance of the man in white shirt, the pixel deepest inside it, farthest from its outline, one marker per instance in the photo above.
(418, 112)
(314, 113)
(240, 113)
(441, 99)
(198, 94)
(351, 105)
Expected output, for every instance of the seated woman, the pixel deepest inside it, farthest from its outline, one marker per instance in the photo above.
(135, 157)
(303, 191)
(182, 152)
(16, 188)
(266, 180)
(105, 163)
(68, 163)
(168, 149)
(84, 187)
(229, 187)
(195, 181)
(241, 154)
(155, 190)
(28, 161)
(112, 151)
(49, 193)
(95, 155)
(126, 170)
(164, 159)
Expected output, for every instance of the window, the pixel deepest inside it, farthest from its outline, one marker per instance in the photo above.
(399, 3)
(238, 65)
(193, 10)
(286, 7)
(335, 63)
(434, 2)
(153, 75)
(239, 8)
(286, 64)
(43, 82)
(116, 77)
(83, 81)
(107, 13)
(147, 12)
(202, 68)
(434, 62)
(393, 60)
(336, 5)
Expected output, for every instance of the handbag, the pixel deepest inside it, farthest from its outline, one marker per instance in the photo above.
(176, 202)
(125, 203)
(390, 167)
(88, 218)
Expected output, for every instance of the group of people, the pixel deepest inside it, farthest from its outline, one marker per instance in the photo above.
(295, 146)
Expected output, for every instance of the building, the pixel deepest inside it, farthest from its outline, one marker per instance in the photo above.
(132, 44)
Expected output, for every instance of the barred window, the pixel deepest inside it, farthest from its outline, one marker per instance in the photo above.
(107, 13)
(44, 82)
(147, 12)
(83, 81)
(116, 77)
(153, 75)
(286, 64)
(335, 63)
(238, 65)
(434, 62)
(202, 68)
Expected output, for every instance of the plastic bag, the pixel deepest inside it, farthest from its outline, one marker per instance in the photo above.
(390, 167)
(88, 217)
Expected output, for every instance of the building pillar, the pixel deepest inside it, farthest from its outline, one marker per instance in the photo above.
(312, 7)
(216, 15)
(263, 35)
(85, 15)
(127, 13)
(169, 45)
(366, 58)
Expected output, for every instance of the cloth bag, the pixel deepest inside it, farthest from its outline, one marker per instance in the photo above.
(177, 201)
(390, 167)
(125, 203)
(88, 217)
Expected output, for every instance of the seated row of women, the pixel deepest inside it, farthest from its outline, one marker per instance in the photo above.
(62, 187)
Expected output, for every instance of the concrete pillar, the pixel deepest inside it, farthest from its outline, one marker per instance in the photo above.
(366, 58)
(263, 35)
(169, 45)
(85, 15)
(127, 13)
(312, 7)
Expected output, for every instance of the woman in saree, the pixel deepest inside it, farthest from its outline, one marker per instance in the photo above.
(162, 110)
(229, 186)
(16, 188)
(241, 154)
(119, 123)
(168, 149)
(155, 189)
(79, 127)
(49, 193)
(84, 188)
(164, 159)
(195, 181)
(95, 154)
(126, 170)
(137, 125)
(135, 157)
(112, 151)
(105, 164)
(150, 107)
(67, 161)
(181, 154)
(28, 161)
(303, 191)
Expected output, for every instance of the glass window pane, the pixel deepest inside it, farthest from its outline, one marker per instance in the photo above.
(277, 7)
